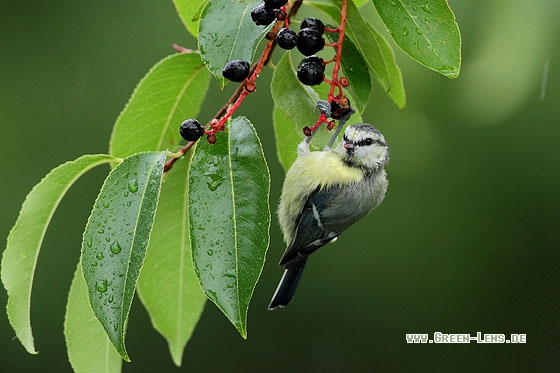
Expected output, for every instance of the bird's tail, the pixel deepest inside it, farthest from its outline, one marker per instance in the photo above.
(288, 284)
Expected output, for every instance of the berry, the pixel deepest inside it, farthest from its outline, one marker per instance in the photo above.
(309, 41)
(286, 38)
(340, 108)
(236, 70)
(313, 23)
(311, 70)
(262, 16)
(191, 130)
(274, 4)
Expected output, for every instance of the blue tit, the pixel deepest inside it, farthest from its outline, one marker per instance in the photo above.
(324, 193)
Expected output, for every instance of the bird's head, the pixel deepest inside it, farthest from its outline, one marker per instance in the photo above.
(364, 146)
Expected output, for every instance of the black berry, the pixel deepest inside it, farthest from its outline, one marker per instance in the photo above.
(309, 41)
(274, 4)
(340, 108)
(262, 16)
(191, 130)
(286, 38)
(311, 70)
(313, 23)
(236, 70)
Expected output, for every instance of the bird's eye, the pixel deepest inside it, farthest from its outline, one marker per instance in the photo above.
(368, 141)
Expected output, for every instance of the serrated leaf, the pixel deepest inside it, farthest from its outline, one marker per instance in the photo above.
(89, 348)
(172, 91)
(375, 51)
(24, 241)
(355, 69)
(189, 11)
(229, 186)
(168, 286)
(227, 32)
(426, 32)
(116, 237)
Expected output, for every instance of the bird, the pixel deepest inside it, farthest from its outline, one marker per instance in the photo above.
(324, 193)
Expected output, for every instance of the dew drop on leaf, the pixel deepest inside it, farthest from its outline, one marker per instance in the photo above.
(133, 185)
(101, 286)
(115, 247)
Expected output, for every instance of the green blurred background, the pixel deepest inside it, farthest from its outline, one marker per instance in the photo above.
(466, 241)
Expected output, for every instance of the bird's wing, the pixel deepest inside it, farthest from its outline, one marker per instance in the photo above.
(310, 233)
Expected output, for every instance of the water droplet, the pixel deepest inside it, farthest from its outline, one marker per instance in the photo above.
(111, 298)
(392, 2)
(210, 252)
(116, 247)
(101, 231)
(101, 286)
(108, 239)
(426, 8)
(106, 204)
(133, 185)
(89, 242)
(404, 31)
(418, 31)
(230, 285)
(100, 256)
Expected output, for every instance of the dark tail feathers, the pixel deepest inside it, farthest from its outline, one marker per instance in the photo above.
(288, 284)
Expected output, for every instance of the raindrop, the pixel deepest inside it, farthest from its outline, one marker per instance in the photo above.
(106, 204)
(133, 185)
(100, 256)
(210, 252)
(418, 31)
(89, 242)
(101, 231)
(426, 8)
(101, 286)
(392, 2)
(116, 247)
(404, 31)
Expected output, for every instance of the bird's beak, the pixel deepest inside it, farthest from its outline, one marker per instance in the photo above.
(348, 145)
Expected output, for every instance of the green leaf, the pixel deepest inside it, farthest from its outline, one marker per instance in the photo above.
(230, 218)
(168, 286)
(286, 138)
(89, 348)
(299, 105)
(172, 91)
(189, 11)
(427, 32)
(227, 32)
(116, 237)
(395, 90)
(355, 69)
(375, 51)
(24, 241)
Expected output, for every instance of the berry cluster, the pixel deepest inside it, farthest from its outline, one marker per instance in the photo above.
(268, 11)
(308, 41)
(311, 70)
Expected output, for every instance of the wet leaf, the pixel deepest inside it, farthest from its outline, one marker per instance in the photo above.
(227, 32)
(89, 348)
(425, 30)
(116, 237)
(24, 241)
(229, 213)
(168, 286)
